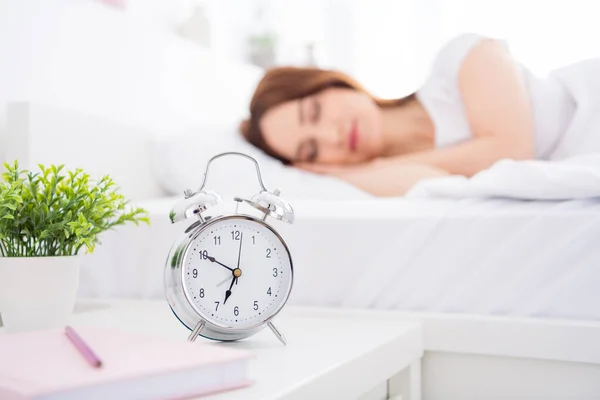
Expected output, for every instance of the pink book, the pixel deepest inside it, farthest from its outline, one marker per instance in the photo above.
(45, 365)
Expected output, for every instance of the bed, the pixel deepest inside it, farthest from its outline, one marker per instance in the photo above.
(506, 289)
(526, 259)
(485, 257)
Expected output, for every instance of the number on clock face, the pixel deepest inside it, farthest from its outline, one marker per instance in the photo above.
(237, 272)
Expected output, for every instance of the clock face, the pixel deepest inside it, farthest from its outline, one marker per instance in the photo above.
(237, 272)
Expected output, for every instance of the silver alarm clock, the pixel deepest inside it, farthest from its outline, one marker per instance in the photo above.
(228, 276)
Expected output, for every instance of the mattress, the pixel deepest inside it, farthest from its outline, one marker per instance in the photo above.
(490, 257)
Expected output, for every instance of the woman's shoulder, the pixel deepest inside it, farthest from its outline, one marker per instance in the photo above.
(451, 55)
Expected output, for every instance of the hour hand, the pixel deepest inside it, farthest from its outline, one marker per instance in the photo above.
(212, 259)
(228, 292)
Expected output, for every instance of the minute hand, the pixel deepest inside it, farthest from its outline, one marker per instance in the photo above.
(240, 252)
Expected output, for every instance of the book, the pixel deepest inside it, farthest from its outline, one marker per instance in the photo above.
(45, 365)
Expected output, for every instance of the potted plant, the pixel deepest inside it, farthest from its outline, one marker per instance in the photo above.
(48, 219)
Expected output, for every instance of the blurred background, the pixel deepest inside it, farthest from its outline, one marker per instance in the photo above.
(173, 66)
(54, 50)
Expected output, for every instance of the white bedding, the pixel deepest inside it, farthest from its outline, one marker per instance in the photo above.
(573, 178)
(494, 257)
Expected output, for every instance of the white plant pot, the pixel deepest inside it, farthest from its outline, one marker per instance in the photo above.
(38, 292)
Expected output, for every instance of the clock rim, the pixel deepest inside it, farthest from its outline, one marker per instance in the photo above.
(208, 319)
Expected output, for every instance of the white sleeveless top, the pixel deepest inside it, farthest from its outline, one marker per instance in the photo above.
(553, 103)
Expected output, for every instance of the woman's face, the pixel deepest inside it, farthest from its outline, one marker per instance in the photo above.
(334, 126)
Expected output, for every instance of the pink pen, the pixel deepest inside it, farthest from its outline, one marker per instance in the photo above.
(83, 348)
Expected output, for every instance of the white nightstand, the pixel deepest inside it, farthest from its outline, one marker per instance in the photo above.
(331, 354)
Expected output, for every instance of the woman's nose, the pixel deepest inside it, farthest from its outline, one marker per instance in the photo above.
(332, 136)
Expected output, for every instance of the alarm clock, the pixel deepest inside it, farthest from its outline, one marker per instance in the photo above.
(227, 276)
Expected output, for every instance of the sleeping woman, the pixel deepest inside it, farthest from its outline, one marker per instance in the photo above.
(476, 107)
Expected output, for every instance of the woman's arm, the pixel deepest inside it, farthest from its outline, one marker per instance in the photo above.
(382, 177)
(498, 110)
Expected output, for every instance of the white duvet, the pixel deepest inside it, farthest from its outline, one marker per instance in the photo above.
(573, 178)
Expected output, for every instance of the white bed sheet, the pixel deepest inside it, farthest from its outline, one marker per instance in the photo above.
(490, 257)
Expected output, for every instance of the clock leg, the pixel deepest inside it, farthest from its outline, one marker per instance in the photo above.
(197, 329)
(277, 333)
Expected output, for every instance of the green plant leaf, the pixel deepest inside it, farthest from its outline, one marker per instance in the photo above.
(58, 211)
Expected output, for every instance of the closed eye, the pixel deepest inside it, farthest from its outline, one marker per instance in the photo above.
(313, 153)
(316, 111)
(308, 151)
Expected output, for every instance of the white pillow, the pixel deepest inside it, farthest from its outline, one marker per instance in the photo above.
(179, 162)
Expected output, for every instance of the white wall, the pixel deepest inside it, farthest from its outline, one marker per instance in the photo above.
(129, 64)
(90, 57)
(385, 61)
(542, 35)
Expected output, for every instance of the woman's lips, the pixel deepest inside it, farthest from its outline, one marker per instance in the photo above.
(353, 136)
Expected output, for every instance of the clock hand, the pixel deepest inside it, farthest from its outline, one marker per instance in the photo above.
(223, 281)
(236, 272)
(228, 292)
(212, 259)
(240, 252)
